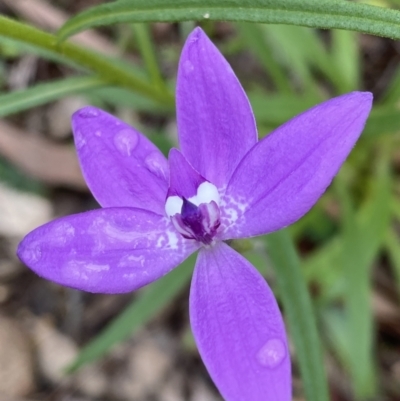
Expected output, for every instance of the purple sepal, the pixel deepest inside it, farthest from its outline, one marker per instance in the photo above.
(238, 328)
(120, 165)
(216, 126)
(282, 177)
(111, 250)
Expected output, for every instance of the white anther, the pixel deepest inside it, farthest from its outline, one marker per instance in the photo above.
(206, 193)
(173, 205)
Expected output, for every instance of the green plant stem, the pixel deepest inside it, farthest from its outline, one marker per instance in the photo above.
(111, 72)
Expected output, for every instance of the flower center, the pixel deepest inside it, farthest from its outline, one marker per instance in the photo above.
(198, 217)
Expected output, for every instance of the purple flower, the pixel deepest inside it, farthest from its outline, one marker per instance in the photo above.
(221, 185)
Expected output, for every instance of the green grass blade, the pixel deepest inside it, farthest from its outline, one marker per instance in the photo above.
(253, 37)
(345, 59)
(302, 51)
(393, 250)
(117, 96)
(275, 109)
(142, 35)
(300, 314)
(17, 101)
(360, 247)
(358, 304)
(312, 13)
(143, 308)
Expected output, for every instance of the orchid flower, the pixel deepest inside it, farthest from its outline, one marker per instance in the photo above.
(222, 184)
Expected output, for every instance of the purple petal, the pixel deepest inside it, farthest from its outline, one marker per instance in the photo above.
(109, 250)
(215, 123)
(238, 328)
(120, 165)
(184, 180)
(282, 177)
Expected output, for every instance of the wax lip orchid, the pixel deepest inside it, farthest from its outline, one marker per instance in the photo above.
(222, 184)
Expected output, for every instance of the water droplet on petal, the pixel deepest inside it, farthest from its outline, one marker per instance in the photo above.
(62, 234)
(80, 141)
(272, 353)
(188, 67)
(156, 164)
(88, 112)
(32, 254)
(125, 141)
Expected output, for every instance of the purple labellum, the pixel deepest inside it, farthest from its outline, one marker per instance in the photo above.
(223, 184)
(198, 222)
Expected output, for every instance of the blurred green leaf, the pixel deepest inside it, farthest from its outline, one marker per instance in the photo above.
(336, 331)
(391, 94)
(113, 71)
(144, 307)
(299, 313)
(362, 241)
(392, 245)
(122, 97)
(142, 35)
(344, 60)
(275, 109)
(383, 120)
(359, 320)
(15, 178)
(325, 266)
(312, 13)
(39, 94)
(253, 37)
(300, 50)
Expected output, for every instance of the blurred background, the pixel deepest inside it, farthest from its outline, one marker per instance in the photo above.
(139, 347)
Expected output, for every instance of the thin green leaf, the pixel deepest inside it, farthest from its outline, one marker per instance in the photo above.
(275, 109)
(15, 102)
(147, 51)
(383, 120)
(336, 332)
(392, 90)
(358, 304)
(393, 249)
(117, 96)
(345, 60)
(325, 265)
(360, 247)
(254, 40)
(143, 308)
(113, 71)
(299, 312)
(299, 49)
(312, 13)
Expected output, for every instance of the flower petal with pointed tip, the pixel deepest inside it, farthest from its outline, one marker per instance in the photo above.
(216, 126)
(238, 328)
(120, 165)
(281, 178)
(110, 250)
